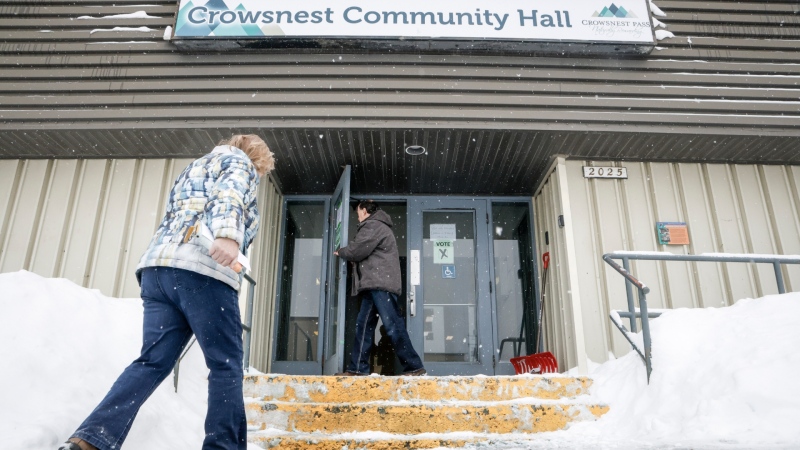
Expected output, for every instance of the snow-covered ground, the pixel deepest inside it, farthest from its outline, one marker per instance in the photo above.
(723, 377)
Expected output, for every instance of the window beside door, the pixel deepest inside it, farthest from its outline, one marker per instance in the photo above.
(513, 283)
(301, 278)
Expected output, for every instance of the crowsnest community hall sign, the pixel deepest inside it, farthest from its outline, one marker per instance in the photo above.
(568, 26)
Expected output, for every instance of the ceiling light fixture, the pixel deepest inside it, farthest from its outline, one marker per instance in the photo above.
(415, 150)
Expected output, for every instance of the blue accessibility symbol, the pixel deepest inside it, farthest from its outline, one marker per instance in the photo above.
(448, 271)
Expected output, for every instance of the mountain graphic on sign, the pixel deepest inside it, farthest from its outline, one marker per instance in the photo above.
(216, 5)
(250, 28)
(184, 28)
(615, 11)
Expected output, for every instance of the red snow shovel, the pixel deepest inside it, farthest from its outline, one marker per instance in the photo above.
(543, 362)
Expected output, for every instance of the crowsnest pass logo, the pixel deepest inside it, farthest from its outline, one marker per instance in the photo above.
(615, 11)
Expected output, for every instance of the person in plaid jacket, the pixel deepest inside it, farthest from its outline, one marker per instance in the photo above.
(188, 288)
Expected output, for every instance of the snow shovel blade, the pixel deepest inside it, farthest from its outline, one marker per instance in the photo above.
(537, 363)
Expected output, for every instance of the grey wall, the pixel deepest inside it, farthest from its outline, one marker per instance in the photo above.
(728, 209)
(725, 88)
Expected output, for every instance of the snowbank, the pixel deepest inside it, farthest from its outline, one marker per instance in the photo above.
(723, 378)
(61, 348)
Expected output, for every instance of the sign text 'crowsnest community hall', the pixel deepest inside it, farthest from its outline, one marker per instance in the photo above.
(624, 24)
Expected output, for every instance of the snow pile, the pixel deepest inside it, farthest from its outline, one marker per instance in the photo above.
(62, 346)
(140, 29)
(135, 15)
(723, 378)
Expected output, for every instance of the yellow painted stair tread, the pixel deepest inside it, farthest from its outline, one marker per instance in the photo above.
(421, 417)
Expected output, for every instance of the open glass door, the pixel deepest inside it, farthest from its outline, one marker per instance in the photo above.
(449, 286)
(337, 277)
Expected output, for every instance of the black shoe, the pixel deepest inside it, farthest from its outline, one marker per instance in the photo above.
(69, 446)
(415, 373)
(345, 374)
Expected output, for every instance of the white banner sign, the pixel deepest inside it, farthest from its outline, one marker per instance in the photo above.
(625, 21)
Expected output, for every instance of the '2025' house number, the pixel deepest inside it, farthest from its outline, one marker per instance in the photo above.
(605, 172)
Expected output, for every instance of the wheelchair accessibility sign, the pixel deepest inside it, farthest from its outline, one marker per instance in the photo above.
(448, 271)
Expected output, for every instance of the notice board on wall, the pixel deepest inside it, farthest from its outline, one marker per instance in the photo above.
(672, 233)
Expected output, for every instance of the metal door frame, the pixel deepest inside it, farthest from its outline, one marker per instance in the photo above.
(300, 367)
(315, 367)
(331, 365)
(484, 312)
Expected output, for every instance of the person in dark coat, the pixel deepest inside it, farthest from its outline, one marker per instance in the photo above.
(376, 279)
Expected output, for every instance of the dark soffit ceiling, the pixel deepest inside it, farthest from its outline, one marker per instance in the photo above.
(457, 161)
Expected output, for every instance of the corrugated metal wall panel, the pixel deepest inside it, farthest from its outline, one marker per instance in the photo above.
(55, 211)
(265, 254)
(81, 225)
(545, 217)
(23, 212)
(731, 70)
(728, 208)
(557, 315)
(90, 221)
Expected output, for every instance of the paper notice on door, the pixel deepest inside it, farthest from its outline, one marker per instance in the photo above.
(443, 252)
(443, 232)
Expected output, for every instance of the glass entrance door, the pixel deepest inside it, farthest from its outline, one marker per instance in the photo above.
(450, 313)
(337, 277)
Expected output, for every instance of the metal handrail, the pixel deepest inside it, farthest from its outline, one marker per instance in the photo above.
(630, 281)
(247, 326)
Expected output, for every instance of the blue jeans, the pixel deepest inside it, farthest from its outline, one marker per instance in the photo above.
(178, 303)
(384, 304)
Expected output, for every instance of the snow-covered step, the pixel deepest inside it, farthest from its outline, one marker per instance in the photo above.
(382, 413)
(420, 417)
(327, 389)
(386, 441)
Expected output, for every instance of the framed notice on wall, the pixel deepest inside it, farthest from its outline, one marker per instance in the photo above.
(672, 233)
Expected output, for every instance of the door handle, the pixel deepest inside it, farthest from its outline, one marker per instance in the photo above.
(412, 301)
(415, 279)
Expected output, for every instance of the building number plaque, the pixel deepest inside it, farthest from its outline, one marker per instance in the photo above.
(604, 172)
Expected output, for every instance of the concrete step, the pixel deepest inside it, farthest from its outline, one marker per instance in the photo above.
(327, 389)
(380, 441)
(417, 418)
(382, 413)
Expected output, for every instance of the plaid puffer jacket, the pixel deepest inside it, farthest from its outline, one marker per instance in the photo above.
(219, 188)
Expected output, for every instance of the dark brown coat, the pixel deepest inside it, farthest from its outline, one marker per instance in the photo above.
(374, 252)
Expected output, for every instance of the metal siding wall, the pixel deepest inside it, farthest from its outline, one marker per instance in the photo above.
(23, 214)
(781, 191)
(114, 218)
(556, 320)
(266, 268)
(90, 220)
(55, 209)
(728, 208)
(80, 240)
(89, 86)
(729, 230)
